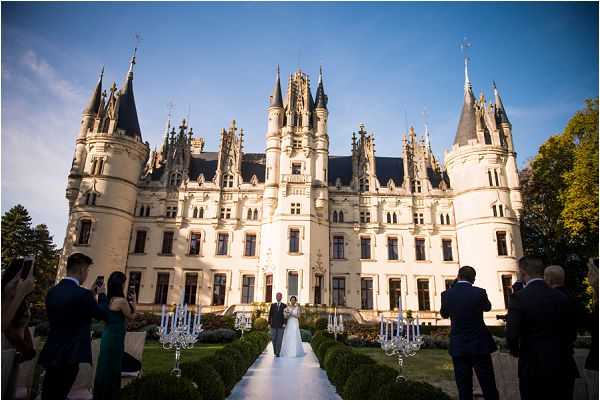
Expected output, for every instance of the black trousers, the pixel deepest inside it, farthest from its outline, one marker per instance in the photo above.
(546, 388)
(58, 382)
(484, 369)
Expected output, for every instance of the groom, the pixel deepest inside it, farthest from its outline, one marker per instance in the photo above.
(277, 323)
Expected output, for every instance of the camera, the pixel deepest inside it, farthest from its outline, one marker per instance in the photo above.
(501, 317)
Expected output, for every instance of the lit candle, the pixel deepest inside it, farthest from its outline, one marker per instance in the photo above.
(418, 326)
(381, 325)
(162, 318)
(412, 329)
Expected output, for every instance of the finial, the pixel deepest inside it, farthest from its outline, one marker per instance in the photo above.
(494, 86)
(113, 87)
(320, 74)
(277, 70)
(464, 47)
(102, 73)
(132, 62)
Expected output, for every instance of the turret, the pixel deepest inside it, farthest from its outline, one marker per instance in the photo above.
(321, 138)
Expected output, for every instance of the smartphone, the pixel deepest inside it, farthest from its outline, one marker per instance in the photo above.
(99, 281)
(131, 293)
(27, 266)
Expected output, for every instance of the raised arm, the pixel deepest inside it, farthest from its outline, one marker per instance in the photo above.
(486, 305)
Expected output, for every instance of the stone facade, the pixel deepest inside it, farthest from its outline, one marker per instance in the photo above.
(231, 228)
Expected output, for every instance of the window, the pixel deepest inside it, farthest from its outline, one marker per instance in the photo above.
(201, 213)
(441, 219)
(420, 249)
(416, 186)
(447, 250)
(225, 212)
(363, 185)
(135, 279)
(191, 284)
(494, 210)
(269, 288)
(249, 214)
(394, 218)
(395, 292)
(366, 293)
(365, 217)
(418, 218)
(85, 229)
(162, 288)
(490, 178)
(297, 144)
(295, 209)
(175, 180)
(142, 208)
(339, 291)
(195, 244)
(338, 247)
(318, 289)
(222, 243)
(501, 242)
(341, 217)
(228, 180)
(296, 168)
(140, 241)
(335, 216)
(292, 284)
(365, 248)
(502, 139)
(247, 289)
(167, 244)
(220, 281)
(388, 218)
(487, 137)
(501, 210)
(195, 214)
(448, 283)
(171, 211)
(447, 219)
(100, 167)
(255, 214)
(147, 211)
(423, 294)
(392, 248)
(250, 248)
(93, 169)
(496, 177)
(506, 288)
(294, 241)
(90, 199)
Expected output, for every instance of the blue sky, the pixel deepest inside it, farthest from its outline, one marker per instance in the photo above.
(384, 63)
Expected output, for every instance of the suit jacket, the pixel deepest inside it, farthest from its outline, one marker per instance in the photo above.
(537, 331)
(464, 304)
(276, 318)
(70, 311)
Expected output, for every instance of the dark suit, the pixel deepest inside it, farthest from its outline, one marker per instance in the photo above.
(537, 332)
(277, 322)
(70, 311)
(471, 343)
(570, 371)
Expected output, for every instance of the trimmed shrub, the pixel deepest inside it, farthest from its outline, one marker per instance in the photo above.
(366, 380)
(410, 390)
(210, 321)
(260, 324)
(237, 358)
(160, 386)
(245, 351)
(225, 367)
(209, 382)
(306, 335)
(323, 347)
(332, 356)
(321, 323)
(217, 336)
(345, 364)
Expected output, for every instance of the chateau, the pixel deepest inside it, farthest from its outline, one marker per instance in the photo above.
(224, 227)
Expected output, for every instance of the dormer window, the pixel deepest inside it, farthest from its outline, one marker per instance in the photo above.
(416, 186)
(363, 185)
(175, 180)
(297, 144)
(487, 137)
(228, 181)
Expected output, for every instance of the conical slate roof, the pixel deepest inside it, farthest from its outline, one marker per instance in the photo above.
(321, 97)
(127, 115)
(94, 103)
(500, 112)
(466, 125)
(276, 98)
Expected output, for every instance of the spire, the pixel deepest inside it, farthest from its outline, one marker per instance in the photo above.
(466, 125)
(276, 98)
(500, 112)
(321, 102)
(94, 104)
(427, 138)
(127, 115)
(467, 81)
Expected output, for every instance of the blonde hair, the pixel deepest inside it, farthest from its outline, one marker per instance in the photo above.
(554, 276)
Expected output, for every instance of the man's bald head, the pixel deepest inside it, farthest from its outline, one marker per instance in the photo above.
(278, 296)
(554, 276)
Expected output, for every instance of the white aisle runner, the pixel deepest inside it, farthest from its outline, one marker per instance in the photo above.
(271, 378)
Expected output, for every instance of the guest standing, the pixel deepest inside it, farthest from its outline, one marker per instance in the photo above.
(471, 343)
(554, 276)
(536, 333)
(107, 385)
(70, 311)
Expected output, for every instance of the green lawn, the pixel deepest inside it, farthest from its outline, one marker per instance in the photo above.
(156, 359)
(431, 365)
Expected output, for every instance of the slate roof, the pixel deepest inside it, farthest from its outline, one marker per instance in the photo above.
(127, 116)
(466, 125)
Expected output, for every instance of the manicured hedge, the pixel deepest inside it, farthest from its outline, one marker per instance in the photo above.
(207, 379)
(160, 386)
(332, 355)
(410, 390)
(366, 380)
(322, 349)
(217, 336)
(345, 365)
(260, 324)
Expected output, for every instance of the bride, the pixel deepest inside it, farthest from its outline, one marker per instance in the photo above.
(291, 346)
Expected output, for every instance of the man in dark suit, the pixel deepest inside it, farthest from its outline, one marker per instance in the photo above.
(70, 311)
(277, 323)
(537, 333)
(471, 343)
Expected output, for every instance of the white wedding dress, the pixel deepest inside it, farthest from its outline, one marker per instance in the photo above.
(291, 346)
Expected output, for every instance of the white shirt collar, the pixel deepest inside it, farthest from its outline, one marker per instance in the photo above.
(73, 279)
(532, 280)
(464, 281)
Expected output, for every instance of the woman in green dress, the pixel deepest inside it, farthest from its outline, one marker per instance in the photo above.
(107, 385)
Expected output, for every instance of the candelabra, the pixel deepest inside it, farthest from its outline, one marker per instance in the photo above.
(179, 330)
(335, 324)
(243, 322)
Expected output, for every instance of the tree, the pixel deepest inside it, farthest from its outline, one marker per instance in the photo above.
(17, 236)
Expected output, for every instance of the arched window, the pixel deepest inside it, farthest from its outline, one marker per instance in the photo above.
(441, 219)
(201, 213)
(501, 210)
(335, 217)
(249, 215)
(341, 217)
(394, 218)
(388, 218)
(502, 139)
(486, 137)
(93, 169)
(195, 212)
(447, 219)
(255, 215)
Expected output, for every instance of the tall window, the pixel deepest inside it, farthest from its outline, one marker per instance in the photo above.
(222, 243)
(296, 168)
(501, 241)
(447, 219)
(365, 248)
(418, 218)
(501, 210)
(490, 178)
(447, 249)
(147, 214)
(195, 244)
(395, 286)
(394, 218)
(365, 217)
(366, 293)
(420, 249)
(294, 240)
(85, 229)
(93, 169)
(392, 248)
(341, 217)
(247, 289)
(171, 211)
(441, 219)
(250, 248)
(225, 212)
(339, 291)
(140, 241)
(388, 218)
(162, 288)
(295, 208)
(255, 214)
(100, 167)
(269, 288)
(201, 213)
(363, 184)
(292, 284)
(423, 294)
(335, 216)
(90, 199)
(338, 247)
(135, 280)
(167, 244)
(191, 285)
(228, 180)
(318, 289)
(220, 281)
(487, 138)
(494, 210)
(195, 214)
(416, 186)
(496, 177)
(506, 288)
(249, 214)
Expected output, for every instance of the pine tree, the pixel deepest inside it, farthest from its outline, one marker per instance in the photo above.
(17, 235)
(46, 263)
